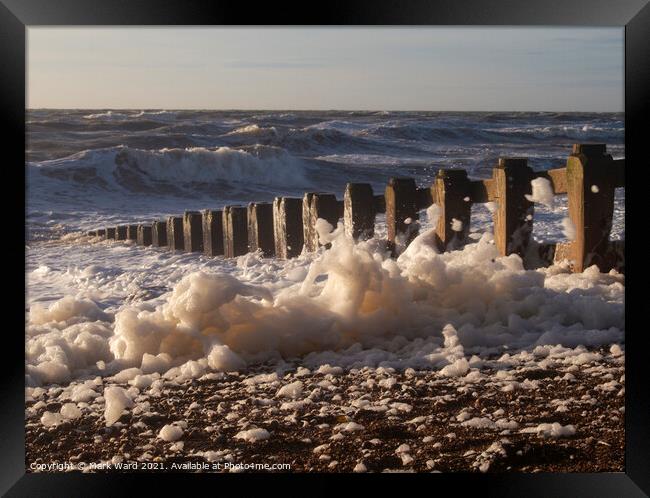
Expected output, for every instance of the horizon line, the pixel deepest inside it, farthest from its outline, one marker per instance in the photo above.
(302, 110)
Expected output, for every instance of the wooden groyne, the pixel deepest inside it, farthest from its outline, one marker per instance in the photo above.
(286, 227)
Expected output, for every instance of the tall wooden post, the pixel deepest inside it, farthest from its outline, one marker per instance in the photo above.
(193, 231)
(120, 232)
(513, 218)
(212, 232)
(323, 206)
(401, 210)
(132, 232)
(175, 239)
(308, 229)
(144, 235)
(359, 211)
(235, 231)
(260, 228)
(110, 233)
(159, 234)
(590, 177)
(287, 227)
(452, 193)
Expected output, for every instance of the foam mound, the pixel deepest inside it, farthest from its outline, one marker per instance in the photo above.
(356, 306)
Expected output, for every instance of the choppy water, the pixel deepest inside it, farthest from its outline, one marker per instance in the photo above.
(89, 169)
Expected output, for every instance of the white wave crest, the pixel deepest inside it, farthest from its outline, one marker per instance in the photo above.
(137, 169)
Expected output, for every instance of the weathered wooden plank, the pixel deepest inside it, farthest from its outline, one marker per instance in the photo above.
(359, 211)
(120, 232)
(287, 227)
(101, 232)
(326, 207)
(260, 228)
(563, 251)
(212, 221)
(132, 232)
(159, 234)
(175, 238)
(193, 231)
(557, 178)
(590, 189)
(453, 194)
(110, 233)
(401, 211)
(513, 217)
(613, 258)
(144, 235)
(310, 237)
(235, 231)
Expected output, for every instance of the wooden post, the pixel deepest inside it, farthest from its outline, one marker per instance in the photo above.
(132, 232)
(175, 239)
(309, 232)
(235, 231)
(159, 234)
(513, 218)
(590, 177)
(101, 233)
(110, 233)
(320, 205)
(401, 210)
(212, 233)
(260, 228)
(359, 211)
(144, 235)
(120, 232)
(452, 189)
(192, 231)
(287, 227)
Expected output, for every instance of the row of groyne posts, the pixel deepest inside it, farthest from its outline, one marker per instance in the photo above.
(287, 225)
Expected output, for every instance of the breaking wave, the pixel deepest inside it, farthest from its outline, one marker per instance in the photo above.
(139, 170)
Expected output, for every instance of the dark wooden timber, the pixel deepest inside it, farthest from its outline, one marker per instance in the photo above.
(120, 232)
(159, 234)
(175, 239)
(401, 211)
(359, 209)
(323, 206)
(235, 231)
(193, 231)
(591, 180)
(513, 217)
(287, 227)
(144, 235)
(212, 232)
(453, 196)
(132, 232)
(260, 228)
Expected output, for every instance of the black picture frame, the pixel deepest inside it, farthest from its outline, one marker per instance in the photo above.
(17, 15)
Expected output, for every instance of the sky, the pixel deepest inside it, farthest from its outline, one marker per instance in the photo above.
(346, 68)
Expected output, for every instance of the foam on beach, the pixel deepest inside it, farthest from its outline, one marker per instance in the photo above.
(353, 306)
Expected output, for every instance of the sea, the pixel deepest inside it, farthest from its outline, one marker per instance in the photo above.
(89, 169)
